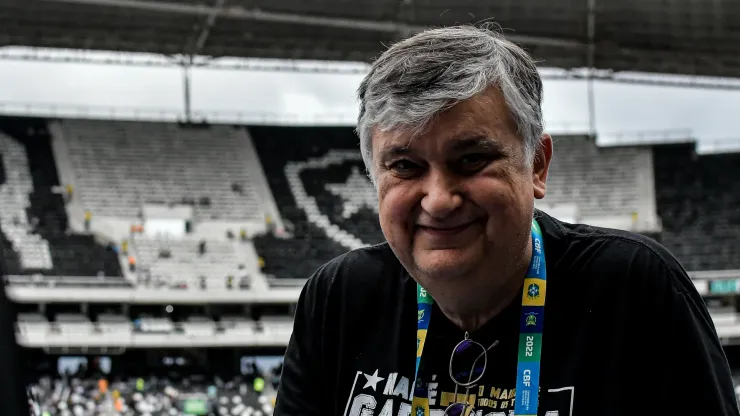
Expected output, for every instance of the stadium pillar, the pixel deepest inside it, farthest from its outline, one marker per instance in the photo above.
(186, 65)
(590, 63)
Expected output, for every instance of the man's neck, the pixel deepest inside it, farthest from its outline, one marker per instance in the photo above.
(474, 319)
(476, 314)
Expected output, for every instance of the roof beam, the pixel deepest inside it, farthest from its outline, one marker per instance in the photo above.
(254, 14)
(247, 65)
(202, 35)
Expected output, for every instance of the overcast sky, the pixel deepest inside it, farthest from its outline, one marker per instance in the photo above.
(710, 114)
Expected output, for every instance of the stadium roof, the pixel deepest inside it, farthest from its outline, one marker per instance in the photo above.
(667, 36)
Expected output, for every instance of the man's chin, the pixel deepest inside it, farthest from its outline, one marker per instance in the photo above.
(447, 263)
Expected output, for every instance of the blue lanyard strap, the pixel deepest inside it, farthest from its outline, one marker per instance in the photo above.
(530, 334)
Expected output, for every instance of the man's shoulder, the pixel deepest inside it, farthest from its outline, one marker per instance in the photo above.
(362, 261)
(613, 253)
(360, 269)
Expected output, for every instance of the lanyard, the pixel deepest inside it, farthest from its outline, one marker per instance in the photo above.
(530, 334)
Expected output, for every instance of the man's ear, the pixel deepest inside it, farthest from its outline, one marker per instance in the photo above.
(541, 166)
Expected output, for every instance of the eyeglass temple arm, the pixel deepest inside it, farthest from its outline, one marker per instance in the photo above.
(484, 353)
(477, 359)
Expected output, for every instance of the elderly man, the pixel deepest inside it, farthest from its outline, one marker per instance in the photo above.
(478, 304)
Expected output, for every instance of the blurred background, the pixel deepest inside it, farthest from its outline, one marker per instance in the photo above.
(171, 171)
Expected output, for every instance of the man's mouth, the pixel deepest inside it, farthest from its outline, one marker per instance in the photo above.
(445, 230)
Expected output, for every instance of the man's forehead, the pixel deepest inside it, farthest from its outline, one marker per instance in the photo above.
(481, 116)
(394, 140)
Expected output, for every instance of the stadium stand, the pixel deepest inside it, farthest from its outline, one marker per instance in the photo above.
(181, 261)
(323, 197)
(153, 382)
(193, 395)
(327, 203)
(200, 182)
(121, 165)
(32, 249)
(607, 186)
(698, 200)
(317, 180)
(34, 223)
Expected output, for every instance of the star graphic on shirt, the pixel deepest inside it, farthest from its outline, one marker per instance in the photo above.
(356, 193)
(372, 380)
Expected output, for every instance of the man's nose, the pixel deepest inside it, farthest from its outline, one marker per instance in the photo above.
(442, 195)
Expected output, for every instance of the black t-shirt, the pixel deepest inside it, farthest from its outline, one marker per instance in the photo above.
(625, 333)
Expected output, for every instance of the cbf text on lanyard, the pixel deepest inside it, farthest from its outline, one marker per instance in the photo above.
(530, 334)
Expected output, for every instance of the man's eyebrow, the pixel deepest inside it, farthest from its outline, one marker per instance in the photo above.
(475, 143)
(457, 145)
(392, 151)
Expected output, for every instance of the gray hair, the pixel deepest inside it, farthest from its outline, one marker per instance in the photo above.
(418, 78)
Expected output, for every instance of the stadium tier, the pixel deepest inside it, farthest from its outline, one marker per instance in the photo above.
(154, 383)
(84, 396)
(36, 237)
(604, 186)
(120, 166)
(156, 330)
(215, 207)
(698, 200)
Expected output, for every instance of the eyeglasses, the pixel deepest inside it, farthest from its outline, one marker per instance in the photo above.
(468, 362)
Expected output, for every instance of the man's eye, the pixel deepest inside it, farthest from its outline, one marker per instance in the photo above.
(404, 167)
(473, 162)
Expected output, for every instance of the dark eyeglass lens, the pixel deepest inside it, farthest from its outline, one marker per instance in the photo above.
(457, 409)
(468, 362)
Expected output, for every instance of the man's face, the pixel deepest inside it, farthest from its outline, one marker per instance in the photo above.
(458, 200)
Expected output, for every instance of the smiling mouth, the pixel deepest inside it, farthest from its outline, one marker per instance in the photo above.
(445, 230)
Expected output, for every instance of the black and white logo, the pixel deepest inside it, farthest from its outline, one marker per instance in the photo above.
(337, 197)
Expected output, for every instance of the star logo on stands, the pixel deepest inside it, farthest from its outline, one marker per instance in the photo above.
(336, 196)
(356, 192)
(372, 380)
